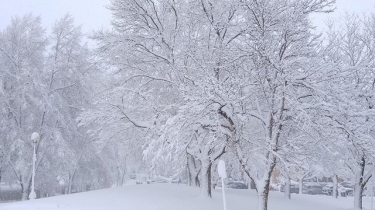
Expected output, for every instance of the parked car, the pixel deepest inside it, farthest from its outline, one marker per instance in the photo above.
(142, 179)
(230, 184)
(368, 192)
(328, 189)
(345, 191)
(217, 184)
(159, 179)
(12, 192)
(294, 188)
(312, 189)
(132, 176)
(237, 185)
(275, 187)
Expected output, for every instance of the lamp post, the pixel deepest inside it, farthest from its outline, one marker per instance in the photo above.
(35, 138)
(222, 174)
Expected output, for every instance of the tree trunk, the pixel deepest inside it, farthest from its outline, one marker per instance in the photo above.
(301, 178)
(189, 170)
(70, 184)
(25, 187)
(358, 191)
(189, 178)
(118, 177)
(359, 184)
(121, 172)
(206, 178)
(263, 186)
(25, 195)
(300, 186)
(197, 182)
(334, 188)
(287, 187)
(193, 171)
(25, 192)
(263, 192)
(123, 176)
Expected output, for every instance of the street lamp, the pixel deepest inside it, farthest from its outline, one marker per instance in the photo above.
(35, 138)
(223, 175)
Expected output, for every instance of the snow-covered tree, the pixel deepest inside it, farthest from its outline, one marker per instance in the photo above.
(162, 69)
(282, 63)
(22, 45)
(43, 89)
(351, 98)
(67, 94)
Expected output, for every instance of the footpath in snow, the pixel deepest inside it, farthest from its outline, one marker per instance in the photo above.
(178, 197)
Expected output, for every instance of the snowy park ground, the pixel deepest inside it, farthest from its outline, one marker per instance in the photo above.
(181, 197)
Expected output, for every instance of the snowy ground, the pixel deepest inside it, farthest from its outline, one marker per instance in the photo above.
(174, 196)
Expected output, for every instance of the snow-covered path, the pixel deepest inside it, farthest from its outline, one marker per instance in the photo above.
(177, 197)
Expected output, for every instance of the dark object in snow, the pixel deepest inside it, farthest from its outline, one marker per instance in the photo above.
(294, 188)
(312, 189)
(237, 185)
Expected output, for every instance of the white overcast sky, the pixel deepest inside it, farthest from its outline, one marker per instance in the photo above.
(92, 14)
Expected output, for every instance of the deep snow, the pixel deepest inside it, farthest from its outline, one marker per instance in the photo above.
(181, 197)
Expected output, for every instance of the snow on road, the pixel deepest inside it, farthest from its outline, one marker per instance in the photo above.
(177, 197)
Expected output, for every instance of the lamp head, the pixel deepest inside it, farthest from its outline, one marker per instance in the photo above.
(35, 137)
